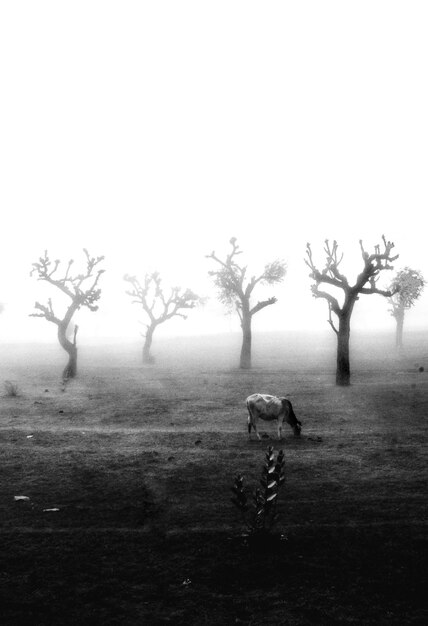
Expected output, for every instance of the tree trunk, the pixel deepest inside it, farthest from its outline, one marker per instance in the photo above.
(399, 318)
(70, 369)
(148, 359)
(343, 370)
(245, 361)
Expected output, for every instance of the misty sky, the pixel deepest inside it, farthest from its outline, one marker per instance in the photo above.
(152, 132)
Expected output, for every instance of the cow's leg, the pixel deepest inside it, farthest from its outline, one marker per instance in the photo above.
(250, 422)
(255, 428)
(254, 425)
(279, 428)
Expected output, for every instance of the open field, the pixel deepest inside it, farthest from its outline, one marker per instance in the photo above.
(139, 462)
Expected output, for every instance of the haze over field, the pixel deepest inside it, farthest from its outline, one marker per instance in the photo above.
(151, 133)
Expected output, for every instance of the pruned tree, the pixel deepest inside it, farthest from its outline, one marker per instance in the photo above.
(234, 290)
(81, 289)
(365, 284)
(158, 305)
(407, 286)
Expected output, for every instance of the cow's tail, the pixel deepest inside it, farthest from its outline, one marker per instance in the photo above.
(293, 416)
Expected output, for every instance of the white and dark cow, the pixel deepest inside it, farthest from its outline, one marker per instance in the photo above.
(269, 408)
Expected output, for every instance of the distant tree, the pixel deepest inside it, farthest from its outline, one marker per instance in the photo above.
(407, 286)
(235, 291)
(81, 289)
(365, 284)
(157, 305)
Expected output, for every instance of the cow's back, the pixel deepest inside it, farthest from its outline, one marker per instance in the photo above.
(264, 405)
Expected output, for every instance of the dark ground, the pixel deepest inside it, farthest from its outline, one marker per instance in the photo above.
(140, 461)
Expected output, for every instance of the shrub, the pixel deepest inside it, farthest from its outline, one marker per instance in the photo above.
(260, 514)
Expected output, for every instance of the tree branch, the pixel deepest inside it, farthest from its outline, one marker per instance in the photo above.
(380, 292)
(261, 305)
(330, 319)
(232, 275)
(330, 274)
(332, 302)
(46, 312)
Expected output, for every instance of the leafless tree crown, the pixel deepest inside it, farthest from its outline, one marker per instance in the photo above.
(366, 282)
(81, 288)
(159, 305)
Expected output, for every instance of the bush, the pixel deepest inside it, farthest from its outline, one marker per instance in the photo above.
(260, 515)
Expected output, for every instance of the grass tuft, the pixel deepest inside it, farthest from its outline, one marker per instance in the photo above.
(11, 389)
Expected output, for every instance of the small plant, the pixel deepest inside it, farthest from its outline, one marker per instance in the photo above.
(260, 514)
(11, 389)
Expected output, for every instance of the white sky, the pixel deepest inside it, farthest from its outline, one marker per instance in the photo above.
(152, 132)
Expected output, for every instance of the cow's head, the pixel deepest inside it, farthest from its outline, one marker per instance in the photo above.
(297, 427)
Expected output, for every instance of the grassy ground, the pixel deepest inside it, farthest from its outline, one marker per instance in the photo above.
(139, 463)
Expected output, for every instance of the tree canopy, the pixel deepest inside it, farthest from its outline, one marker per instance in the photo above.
(229, 279)
(407, 285)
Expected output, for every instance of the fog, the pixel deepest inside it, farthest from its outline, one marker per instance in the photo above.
(151, 133)
(288, 352)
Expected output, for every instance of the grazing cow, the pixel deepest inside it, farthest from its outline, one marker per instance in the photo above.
(265, 407)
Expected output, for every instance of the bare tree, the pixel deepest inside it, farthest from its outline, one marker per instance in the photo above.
(82, 289)
(158, 306)
(235, 291)
(365, 284)
(407, 286)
